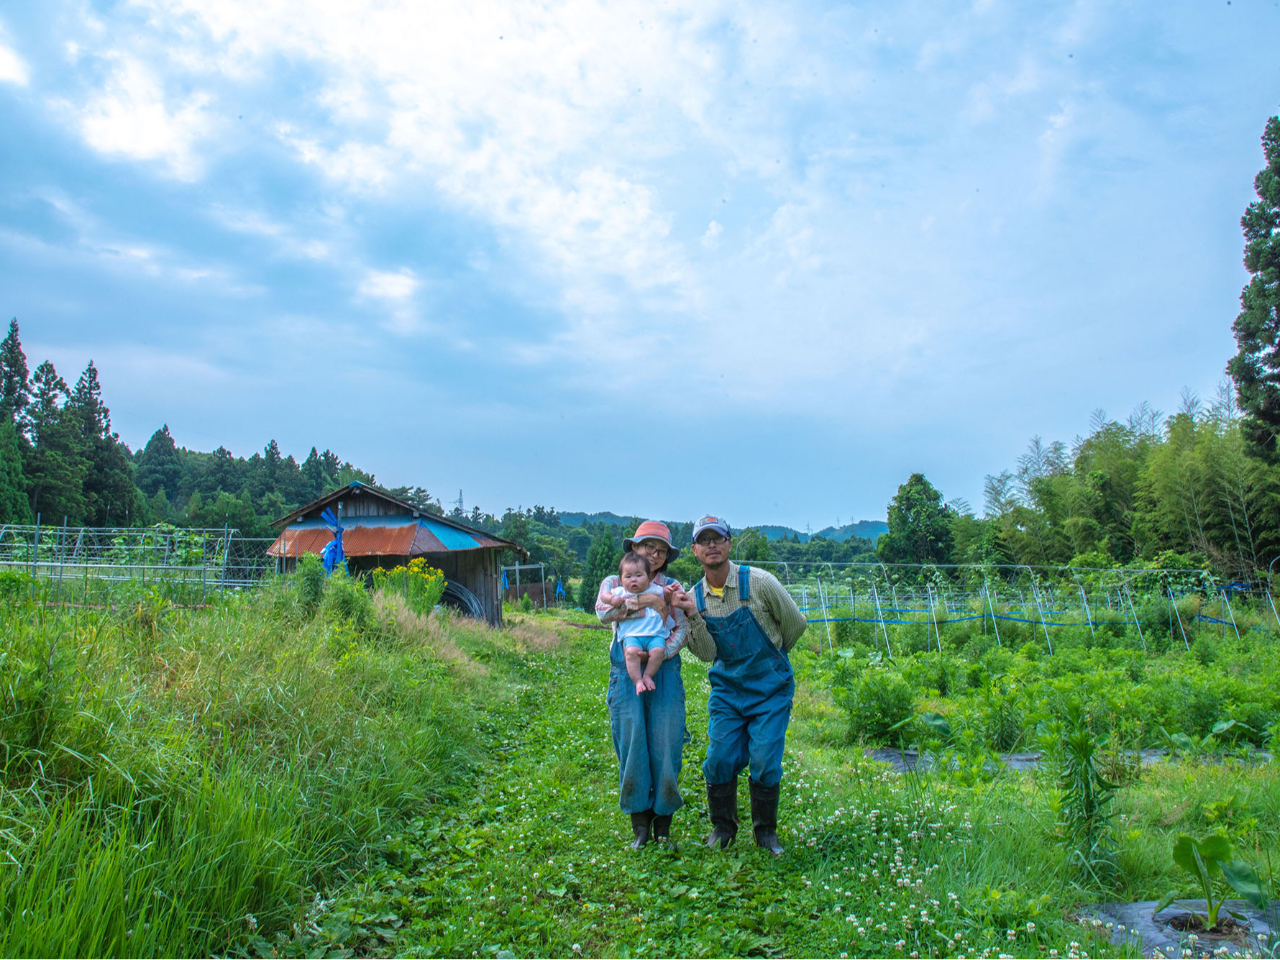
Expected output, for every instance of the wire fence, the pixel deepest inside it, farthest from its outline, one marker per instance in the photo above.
(89, 564)
(932, 602)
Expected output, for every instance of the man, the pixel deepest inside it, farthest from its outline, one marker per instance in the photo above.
(743, 622)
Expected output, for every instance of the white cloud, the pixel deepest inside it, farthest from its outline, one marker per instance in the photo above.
(711, 238)
(254, 223)
(540, 120)
(397, 291)
(12, 67)
(131, 117)
(1053, 143)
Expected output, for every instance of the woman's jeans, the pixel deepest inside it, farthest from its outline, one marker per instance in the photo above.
(648, 736)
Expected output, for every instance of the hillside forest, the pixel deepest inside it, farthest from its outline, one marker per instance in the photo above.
(1146, 489)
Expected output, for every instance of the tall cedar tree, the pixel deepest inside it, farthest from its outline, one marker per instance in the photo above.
(111, 498)
(1256, 368)
(602, 560)
(56, 465)
(15, 389)
(159, 467)
(919, 525)
(14, 506)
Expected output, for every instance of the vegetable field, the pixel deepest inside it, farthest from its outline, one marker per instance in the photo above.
(308, 768)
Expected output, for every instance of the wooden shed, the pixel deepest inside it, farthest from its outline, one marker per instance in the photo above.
(380, 530)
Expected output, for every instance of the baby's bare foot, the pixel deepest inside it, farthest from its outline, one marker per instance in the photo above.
(649, 684)
(640, 687)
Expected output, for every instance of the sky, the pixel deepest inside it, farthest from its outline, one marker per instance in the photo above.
(759, 259)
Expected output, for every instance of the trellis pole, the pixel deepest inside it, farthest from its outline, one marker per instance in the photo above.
(1136, 622)
(1035, 594)
(826, 618)
(1173, 608)
(986, 589)
(875, 595)
(1227, 602)
(933, 615)
(1088, 615)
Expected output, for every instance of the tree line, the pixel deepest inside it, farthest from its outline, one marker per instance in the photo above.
(1200, 487)
(1177, 491)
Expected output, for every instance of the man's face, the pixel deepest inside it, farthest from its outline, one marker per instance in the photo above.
(712, 548)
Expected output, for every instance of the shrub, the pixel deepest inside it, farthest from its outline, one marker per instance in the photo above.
(309, 583)
(346, 599)
(876, 703)
(420, 585)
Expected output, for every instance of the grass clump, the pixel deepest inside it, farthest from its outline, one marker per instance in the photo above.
(186, 782)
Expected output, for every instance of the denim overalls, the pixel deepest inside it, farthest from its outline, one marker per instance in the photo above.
(751, 690)
(648, 736)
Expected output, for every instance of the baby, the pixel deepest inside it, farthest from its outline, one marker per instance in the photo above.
(643, 637)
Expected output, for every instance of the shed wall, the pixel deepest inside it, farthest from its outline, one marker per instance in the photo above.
(477, 570)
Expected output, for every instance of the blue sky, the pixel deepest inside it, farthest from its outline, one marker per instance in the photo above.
(759, 259)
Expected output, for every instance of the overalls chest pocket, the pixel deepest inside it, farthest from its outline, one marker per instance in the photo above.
(734, 637)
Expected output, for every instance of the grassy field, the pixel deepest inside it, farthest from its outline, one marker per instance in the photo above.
(310, 771)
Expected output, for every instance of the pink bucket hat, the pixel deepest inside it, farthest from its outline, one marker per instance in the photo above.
(652, 530)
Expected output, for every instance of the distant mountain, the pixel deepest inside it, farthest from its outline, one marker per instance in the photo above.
(572, 519)
(868, 529)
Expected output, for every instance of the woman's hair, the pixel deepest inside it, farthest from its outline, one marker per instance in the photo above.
(633, 559)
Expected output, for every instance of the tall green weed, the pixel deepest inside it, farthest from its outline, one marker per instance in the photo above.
(179, 782)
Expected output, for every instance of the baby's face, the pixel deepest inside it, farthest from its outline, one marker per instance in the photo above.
(634, 579)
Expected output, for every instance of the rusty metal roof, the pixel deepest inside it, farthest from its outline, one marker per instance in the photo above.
(314, 508)
(384, 537)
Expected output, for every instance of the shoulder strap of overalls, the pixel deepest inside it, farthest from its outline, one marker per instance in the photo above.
(699, 598)
(744, 584)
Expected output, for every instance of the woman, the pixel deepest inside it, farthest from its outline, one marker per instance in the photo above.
(648, 730)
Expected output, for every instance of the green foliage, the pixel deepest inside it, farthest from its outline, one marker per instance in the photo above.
(309, 583)
(919, 525)
(602, 561)
(878, 702)
(1206, 860)
(111, 498)
(750, 545)
(15, 389)
(14, 505)
(1257, 327)
(181, 783)
(420, 585)
(1086, 814)
(56, 466)
(346, 599)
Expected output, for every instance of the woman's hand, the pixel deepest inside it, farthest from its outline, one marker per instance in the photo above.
(682, 601)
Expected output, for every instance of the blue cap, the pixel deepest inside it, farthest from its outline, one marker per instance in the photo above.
(711, 523)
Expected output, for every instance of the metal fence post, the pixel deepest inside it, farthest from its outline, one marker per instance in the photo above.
(1173, 608)
(875, 595)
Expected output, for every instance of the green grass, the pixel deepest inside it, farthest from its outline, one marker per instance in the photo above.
(327, 775)
(536, 862)
(179, 782)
